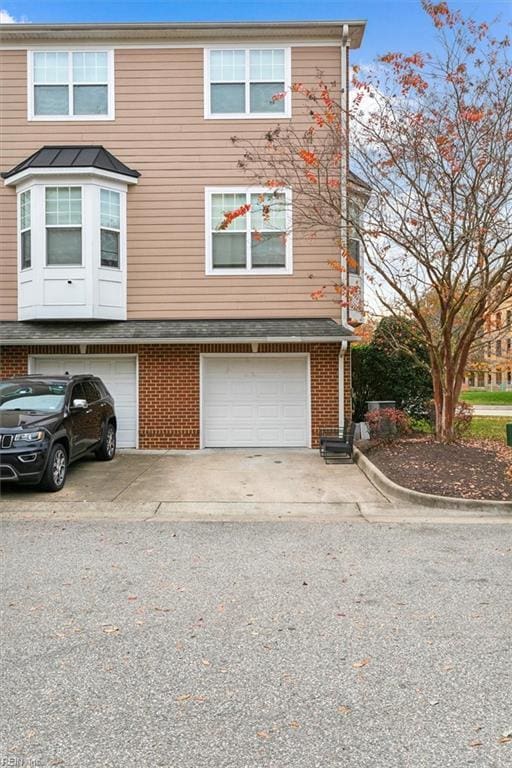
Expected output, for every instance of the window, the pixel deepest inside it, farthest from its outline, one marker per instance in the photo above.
(63, 217)
(354, 256)
(25, 230)
(77, 393)
(498, 348)
(499, 378)
(247, 82)
(91, 392)
(72, 85)
(354, 243)
(110, 226)
(257, 241)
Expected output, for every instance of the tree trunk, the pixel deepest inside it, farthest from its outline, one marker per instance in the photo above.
(446, 395)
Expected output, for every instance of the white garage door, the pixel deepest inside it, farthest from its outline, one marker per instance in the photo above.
(255, 401)
(119, 375)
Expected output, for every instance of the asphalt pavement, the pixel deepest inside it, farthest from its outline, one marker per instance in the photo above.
(240, 645)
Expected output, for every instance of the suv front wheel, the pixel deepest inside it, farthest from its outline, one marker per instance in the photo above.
(55, 473)
(107, 449)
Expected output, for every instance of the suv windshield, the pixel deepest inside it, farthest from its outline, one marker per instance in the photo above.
(32, 396)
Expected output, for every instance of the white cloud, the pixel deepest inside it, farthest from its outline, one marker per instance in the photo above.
(6, 18)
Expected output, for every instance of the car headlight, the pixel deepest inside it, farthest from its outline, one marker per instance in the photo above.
(30, 437)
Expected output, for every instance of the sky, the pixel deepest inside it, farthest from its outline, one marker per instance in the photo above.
(392, 24)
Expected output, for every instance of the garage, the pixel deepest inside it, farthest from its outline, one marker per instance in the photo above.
(255, 401)
(119, 373)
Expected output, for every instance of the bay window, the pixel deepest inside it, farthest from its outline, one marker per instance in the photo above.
(258, 241)
(73, 85)
(250, 82)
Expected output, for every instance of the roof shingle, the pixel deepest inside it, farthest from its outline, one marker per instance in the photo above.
(132, 331)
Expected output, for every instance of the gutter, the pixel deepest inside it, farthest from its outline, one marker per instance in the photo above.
(193, 340)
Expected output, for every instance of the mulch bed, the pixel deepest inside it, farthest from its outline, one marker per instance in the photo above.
(470, 469)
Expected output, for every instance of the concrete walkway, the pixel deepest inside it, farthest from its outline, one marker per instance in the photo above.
(493, 410)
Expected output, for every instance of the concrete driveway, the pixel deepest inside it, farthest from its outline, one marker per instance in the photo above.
(252, 476)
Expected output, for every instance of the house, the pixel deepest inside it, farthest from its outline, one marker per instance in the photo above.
(117, 164)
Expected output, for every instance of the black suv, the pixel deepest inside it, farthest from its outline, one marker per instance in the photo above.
(46, 422)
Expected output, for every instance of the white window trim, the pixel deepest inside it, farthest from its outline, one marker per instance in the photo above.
(63, 226)
(119, 231)
(248, 115)
(73, 118)
(253, 272)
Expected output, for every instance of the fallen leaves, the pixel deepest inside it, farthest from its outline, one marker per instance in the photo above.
(263, 734)
(186, 697)
(110, 629)
(344, 710)
(360, 664)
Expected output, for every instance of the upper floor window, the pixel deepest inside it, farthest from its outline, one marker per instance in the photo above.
(25, 230)
(110, 227)
(71, 85)
(63, 216)
(354, 242)
(257, 242)
(247, 82)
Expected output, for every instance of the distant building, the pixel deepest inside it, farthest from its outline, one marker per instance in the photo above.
(491, 367)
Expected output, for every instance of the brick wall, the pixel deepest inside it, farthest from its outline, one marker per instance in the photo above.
(169, 384)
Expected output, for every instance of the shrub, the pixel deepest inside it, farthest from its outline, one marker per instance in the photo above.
(387, 423)
(463, 418)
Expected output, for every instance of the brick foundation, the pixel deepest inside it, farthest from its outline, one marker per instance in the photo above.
(169, 384)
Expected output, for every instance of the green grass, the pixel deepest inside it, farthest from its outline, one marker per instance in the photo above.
(488, 427)
(487, 398)
(482, 427)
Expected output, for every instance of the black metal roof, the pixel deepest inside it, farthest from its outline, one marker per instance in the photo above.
(73, 156)
(134, 331)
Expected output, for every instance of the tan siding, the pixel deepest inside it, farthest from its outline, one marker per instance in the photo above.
(160, 130)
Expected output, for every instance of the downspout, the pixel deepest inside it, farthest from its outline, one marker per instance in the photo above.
(344, 163)
(341, 383)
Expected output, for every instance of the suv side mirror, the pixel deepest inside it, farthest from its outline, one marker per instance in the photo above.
(80, 404)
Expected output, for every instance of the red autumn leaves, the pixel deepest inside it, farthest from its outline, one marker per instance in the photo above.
(230, 216)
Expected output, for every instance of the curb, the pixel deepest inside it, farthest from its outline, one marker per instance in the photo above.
(391, 489)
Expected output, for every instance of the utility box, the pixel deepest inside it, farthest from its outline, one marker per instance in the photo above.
(508, 427)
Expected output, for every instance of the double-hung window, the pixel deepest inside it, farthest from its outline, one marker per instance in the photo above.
(71, 85)
(63, 217)
(110, 227)
(256, 242)
(250, 82)
(25, 230)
